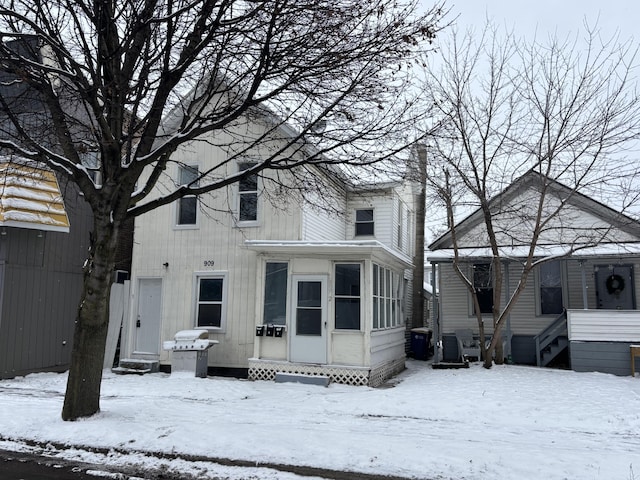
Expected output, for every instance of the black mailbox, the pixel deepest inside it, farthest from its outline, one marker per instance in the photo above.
(270, 330)
(260, 331)
(279, 331)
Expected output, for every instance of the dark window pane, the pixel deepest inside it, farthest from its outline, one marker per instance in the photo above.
(550, 300)
(310, 294)
(550, 274)
(364, 228)
(364, 215)
(376, 319)
(188, 175)
(210, 290)
(376, 290)
(485, 299)
(209, 315)
(187, 207)
(275, 293)
(348, 313)
(308, 321)
(248, 206)
(482, 275)
(348, 280)
(249, 184)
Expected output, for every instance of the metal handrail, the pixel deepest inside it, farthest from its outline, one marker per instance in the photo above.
(549, 334)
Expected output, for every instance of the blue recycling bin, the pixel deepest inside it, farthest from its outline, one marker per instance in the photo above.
(420, 343)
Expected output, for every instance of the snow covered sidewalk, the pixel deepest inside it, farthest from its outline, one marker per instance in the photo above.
(507, 422)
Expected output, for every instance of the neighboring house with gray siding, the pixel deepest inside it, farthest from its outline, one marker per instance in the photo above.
(582, 305)
(43, 244)
(44, 239)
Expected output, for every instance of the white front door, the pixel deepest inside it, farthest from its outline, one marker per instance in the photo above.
(308, 336)
(148, 319)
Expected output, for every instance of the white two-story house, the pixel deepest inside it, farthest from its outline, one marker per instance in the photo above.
(281, 284)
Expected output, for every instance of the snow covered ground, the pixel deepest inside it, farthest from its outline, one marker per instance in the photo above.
(507, 422)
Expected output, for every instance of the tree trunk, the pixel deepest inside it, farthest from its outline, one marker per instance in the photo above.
(82, 398)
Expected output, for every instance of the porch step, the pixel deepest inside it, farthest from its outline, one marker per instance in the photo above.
(553, 350)
(136, 366)
(282, 377)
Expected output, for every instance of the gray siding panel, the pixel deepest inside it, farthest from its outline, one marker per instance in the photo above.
(40, 292)
(523, 349)
(605, 357)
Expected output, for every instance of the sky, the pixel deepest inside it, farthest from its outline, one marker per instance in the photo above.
(548, 16)
(511, 422)
(539, 19)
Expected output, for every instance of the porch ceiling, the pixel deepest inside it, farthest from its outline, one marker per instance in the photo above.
(369, 248)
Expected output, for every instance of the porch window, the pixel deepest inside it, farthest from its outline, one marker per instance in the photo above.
(550, 286)
(483, 284)
(248, 195)
(275, 293)
(364, 222)
(387, 295)
(187, 212)
(210, 301)
(347, 296)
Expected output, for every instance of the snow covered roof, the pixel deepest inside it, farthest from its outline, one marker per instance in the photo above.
(602, 250)
(30, 197)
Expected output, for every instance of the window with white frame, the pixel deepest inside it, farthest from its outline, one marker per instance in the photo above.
(90, 159)
(210, 301)
(248, 195)
(187, 210)
(550, 288)
(275, 293)
(347, 296)
(364, 222)
(400, 226)
(387, 298)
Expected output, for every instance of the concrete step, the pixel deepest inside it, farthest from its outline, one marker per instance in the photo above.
(136, 366)
(283, 377)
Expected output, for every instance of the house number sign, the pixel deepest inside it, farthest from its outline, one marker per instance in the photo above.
(209, 263)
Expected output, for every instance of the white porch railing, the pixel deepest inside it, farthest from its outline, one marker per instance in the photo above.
(603, 325)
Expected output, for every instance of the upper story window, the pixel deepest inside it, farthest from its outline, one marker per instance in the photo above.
(400, 225)
(90, 158)
(550, 287)
(248, 195)
(347, 296)
(483, 284)
(187, 211)
(364, 222)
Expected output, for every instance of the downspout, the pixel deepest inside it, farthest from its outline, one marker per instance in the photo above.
(507, 291)
(436, 314)
(583, 274)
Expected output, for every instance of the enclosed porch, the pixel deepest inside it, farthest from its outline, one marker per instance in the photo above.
(330, 309)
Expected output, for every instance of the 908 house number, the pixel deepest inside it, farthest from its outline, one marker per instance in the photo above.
(209, 263)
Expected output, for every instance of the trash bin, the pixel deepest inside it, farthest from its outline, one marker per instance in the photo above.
(190, 351)
(420, 343)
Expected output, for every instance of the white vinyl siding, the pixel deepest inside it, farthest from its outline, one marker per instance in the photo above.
(604, 325)
(323, 224)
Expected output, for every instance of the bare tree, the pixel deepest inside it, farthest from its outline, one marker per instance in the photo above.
(130, 81)
(566, 110)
